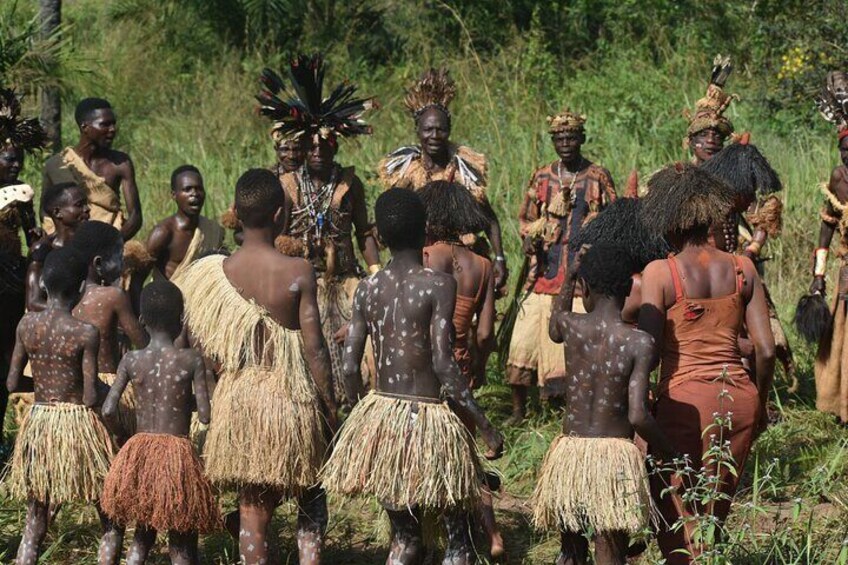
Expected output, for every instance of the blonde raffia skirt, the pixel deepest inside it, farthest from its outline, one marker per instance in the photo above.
(406, 452)
(157, 480)
(62, 454)
(592, 484)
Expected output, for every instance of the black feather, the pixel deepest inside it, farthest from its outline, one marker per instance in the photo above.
(812, 317)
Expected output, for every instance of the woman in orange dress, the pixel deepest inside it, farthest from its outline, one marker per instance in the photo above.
(695, 304)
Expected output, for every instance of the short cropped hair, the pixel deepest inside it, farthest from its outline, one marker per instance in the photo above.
(52, 195)
(64, 270)
(259, 195)
(183, 169)
(162, 306)
(607, 269)
(401, 218)
(94, 238)
(87, 106)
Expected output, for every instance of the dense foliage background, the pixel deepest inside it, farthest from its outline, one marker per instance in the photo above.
(181, 75)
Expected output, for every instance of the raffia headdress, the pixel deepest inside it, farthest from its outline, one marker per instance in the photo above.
(435, 88)
(566, 120)
(832, 103)
(709, 110)
(303, 110)
(26, 134)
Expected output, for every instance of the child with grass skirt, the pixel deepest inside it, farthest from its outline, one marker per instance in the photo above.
(107, 307)
(156, 481)
(593, 479)
(63, 450)
(401, 443)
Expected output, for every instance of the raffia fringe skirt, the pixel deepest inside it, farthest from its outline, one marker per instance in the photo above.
(126, 407)
(157, 480)
(62, 454)
(259, 435)
(597, 484)
(406, 453)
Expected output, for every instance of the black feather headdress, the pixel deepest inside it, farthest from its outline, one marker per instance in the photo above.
(832, 102)
(620, 224)
(26, 134)
(302, 109)
(745, 169)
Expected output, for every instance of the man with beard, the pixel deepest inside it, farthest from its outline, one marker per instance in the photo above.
(561, 198)
(327, 206)
(436, 158)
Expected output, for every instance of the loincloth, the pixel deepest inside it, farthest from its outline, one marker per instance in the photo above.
(62, 454)
(261, 434)
(157, 480)
(406, 453)
(126, 406)
(592, 485)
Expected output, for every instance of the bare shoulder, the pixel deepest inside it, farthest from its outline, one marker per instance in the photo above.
(440, 282)
(655, 270)
(839, 182)
(641, 342)
(190, 358)
(119, 158)
(88, 333)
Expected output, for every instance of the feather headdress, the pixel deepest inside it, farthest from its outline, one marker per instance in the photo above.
(435, 88)
(832, 102)
(566, 120)
(26, 134)
(303, 109)
(709, 110)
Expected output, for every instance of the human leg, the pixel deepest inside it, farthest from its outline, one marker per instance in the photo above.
(311, 525)
(407, 547)
(459, 550)
(143, 541)
(574, 549)
(112, 541)
(611, 548)
(34, 532)
(182, 548)
(256, 508)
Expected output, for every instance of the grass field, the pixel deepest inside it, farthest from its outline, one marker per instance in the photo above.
(174, 109)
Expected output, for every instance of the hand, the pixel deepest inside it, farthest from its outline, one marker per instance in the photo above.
(494, 440)
(35, 234)
(529, 245)
(746, 346)
(340, 336)
(818, 286)
(501, 274)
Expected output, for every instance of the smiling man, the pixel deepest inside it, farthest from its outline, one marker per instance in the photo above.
(561, 197)
(105, 174)
(184, 236)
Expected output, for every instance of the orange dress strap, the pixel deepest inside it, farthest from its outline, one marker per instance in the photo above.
(679, 294)
(740, 274)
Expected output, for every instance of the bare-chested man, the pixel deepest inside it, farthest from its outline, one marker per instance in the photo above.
(157, 480)
(63, 450)
(255, 314)
(105, 174)
(67, 207)
(181, 238)
(594, 466)
(420, 460)
(106, 306)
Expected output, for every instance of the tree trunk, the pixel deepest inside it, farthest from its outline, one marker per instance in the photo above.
(50, 15)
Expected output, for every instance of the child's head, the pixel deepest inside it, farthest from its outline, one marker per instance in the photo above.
(606, 271)
(451, 211)
(259, 198)
(187, 189)
(401, 219)
(65, 203)
(103, 249)
(64, 274)
(162, 307)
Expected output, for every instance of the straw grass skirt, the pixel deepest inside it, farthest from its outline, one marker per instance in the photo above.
(62, 454)
(260, 434)
(157, 480)
(406, 453)
(592, 484)
(126, 406)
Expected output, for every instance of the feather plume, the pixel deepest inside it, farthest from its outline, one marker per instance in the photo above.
(722, 67)
(832, 102)
(302, 109)
(26, 134)
(434, 88)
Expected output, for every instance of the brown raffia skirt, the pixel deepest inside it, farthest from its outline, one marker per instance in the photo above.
(126, 407)
(62, 454)
(157, 480)
(592, 484)
(405, 452)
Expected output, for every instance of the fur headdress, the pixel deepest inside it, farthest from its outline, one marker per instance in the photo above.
(566, 120)
(744, 168)
(682, 196)
(435, 88)
(832, 103)
(620, 224)
(709, 110)
(25, 134)
(303, 110)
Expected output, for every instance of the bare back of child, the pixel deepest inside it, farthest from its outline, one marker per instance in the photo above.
(63, 450)
(607, 376)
